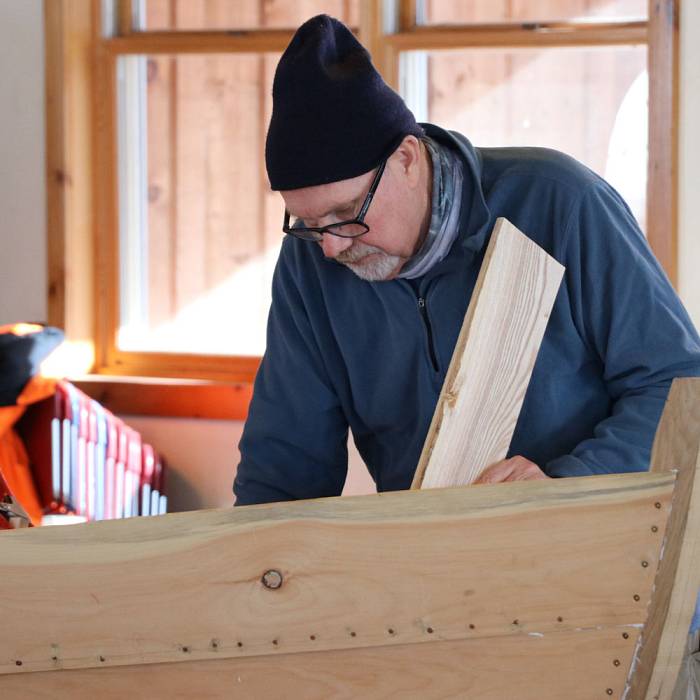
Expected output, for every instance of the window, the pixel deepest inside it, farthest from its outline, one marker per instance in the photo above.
(187, 231)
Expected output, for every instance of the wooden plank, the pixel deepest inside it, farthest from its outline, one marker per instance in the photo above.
(162, 205)
(662, 183)
(407, 15)
(161, 364)
(232, 86)
(351, 13)
(55, 162)
(576, 665)
(530, 11)
(244, 41)
(272, 205)
(282, 14)
(106, 207)
(181, 398)
(215, 91)
(357, 572)
(69, 32)
(474, 91)
(191, 174)
(125, 17)
(372, 32)
(492, 362)
(677, 446)
(537, 35)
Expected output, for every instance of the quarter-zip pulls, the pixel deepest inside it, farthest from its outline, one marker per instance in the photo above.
(426, 320)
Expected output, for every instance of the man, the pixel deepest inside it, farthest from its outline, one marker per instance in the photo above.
(388, 222)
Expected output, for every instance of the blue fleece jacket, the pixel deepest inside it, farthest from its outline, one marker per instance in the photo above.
(373, 355)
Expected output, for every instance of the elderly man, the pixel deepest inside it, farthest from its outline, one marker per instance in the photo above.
(388, 222)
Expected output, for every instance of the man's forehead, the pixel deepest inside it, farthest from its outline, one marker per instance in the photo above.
(320, 200)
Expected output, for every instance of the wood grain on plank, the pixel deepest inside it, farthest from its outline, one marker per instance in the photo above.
(494, 561)
(549, 667)
(492, 361)
(677, 446)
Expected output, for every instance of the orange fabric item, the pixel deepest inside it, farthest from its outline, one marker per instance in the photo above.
(15, 472)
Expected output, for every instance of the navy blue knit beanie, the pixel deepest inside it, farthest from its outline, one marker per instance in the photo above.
(333, 116)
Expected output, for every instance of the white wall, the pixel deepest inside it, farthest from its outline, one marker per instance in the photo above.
(203, 454)
(22, 179)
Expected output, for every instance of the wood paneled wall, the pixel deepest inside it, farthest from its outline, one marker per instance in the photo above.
(563, 98)
(210, 208)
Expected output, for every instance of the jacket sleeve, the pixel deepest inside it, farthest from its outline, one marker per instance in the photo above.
(294, 443)
(633, 323)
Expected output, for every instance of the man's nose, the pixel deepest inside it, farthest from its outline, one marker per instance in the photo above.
(334, 245)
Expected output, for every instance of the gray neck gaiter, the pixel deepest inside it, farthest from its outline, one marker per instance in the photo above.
(444, 218)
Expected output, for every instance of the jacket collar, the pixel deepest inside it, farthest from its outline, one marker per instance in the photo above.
(475, 214)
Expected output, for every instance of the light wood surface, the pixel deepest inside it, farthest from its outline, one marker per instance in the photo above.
(497, 561)
(677, 446)
(492, 362)
(521, 667)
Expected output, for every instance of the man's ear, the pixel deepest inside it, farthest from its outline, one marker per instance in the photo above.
(407, 159)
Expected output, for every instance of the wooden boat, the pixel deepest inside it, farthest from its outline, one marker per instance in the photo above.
(565, 588)
(569, 588)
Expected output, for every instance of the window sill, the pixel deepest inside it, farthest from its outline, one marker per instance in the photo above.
(176, 398)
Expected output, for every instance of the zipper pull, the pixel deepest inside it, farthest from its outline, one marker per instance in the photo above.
(421, 303)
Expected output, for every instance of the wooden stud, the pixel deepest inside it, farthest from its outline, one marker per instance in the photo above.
(407, 15)
(70, 33)
(106, 214)
(662, 181)
(677, 446)
(492, 362)
(125, 17)
(371, 32)
(55, 161)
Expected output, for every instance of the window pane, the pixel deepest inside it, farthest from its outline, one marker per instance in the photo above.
(191, 15)
(590, 103)
(493, 11)
(200, 229)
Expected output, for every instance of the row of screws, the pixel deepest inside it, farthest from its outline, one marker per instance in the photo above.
(215, 643)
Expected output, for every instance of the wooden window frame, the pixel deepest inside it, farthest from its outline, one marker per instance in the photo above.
(81, 143)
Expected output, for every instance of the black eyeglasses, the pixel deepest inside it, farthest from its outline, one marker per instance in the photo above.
(345, 229)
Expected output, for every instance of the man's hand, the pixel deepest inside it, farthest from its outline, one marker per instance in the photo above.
(514, 469)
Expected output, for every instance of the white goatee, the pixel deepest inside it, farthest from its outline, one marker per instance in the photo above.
(381, 267)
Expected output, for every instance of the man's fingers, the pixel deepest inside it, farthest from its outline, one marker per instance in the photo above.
(496, 472)
(514, 469)
(531, 473)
